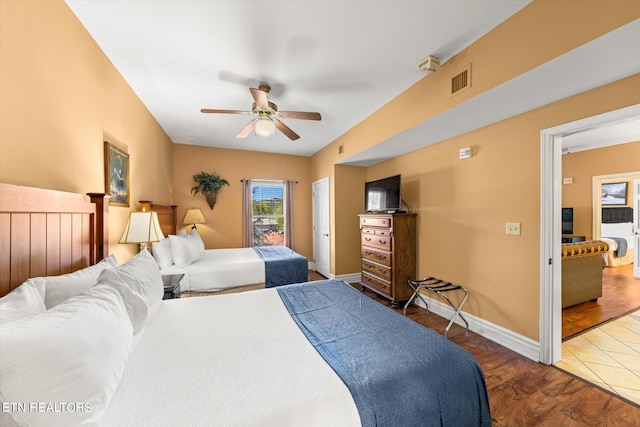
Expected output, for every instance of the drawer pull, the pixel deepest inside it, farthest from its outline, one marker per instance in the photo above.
(376, 283)
(380, 271)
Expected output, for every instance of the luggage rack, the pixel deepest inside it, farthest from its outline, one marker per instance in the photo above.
(440, 287)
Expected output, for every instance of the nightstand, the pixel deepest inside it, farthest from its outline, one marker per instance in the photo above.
(172, 285)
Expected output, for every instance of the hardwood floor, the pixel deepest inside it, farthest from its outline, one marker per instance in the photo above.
(526, 393)
(620, 295)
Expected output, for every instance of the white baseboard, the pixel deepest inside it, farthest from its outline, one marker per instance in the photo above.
(506, 338)
(349, 278)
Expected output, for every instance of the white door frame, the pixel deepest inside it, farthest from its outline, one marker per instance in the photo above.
(316, 186)
(551, 226)
(635, 194)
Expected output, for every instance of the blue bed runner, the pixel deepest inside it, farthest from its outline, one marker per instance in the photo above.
(398, 372)
(282, 265)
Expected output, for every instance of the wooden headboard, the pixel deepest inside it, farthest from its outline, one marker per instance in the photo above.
(167, 215)
(48, 232)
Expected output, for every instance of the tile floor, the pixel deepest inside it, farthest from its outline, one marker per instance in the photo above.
(607, 356)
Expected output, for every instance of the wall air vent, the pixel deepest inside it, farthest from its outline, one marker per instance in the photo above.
(461, 81)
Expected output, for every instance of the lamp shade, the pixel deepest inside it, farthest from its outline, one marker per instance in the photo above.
(265, 127)
(142, 227)
(194, 216)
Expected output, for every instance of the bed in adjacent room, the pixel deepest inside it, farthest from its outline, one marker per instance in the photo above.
(619, 237)
(109, 350)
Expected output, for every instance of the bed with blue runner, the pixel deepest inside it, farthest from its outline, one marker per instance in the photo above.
(282, 265)
(398, 372)
(622, 245)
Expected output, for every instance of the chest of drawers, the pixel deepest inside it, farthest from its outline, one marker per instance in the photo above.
(388, 251)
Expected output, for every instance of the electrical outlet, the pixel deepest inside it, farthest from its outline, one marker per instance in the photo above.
(465, 153)
(513, 228)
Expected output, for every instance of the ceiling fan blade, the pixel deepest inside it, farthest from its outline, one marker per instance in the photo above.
(286, 130)
(260, 97)
(207, 110)
(299, 115)
(247, 130)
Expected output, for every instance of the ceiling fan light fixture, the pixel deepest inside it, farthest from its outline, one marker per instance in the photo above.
(268, 116)
(265, 127)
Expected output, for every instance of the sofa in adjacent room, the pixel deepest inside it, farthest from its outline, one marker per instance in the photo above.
(582, 265)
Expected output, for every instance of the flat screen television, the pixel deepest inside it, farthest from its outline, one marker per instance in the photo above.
(567, 220)
(382, 195)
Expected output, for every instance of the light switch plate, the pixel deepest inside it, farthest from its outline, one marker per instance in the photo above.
(513, 228)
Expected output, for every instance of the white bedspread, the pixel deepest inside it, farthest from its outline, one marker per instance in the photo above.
(228, 360)
(220, 269)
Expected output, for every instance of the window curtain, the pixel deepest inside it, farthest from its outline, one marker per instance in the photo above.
(247, 214)
(288, 215)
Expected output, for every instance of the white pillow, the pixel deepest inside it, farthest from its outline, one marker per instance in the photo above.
(197, 240)
(185, 250)
(162, 253)
(71, 357)
(60, 288)
(139, 282)
(22, 302)
(111, 260)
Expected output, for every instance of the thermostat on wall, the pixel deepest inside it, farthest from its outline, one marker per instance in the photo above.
(465, 153)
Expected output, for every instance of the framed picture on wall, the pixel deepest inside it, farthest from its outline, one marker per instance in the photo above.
(614, 193)
(116, 175)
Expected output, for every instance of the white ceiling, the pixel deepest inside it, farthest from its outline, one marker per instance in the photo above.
(344, 59)
(602, 136)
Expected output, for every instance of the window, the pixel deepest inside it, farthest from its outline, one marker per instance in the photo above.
(268, 212)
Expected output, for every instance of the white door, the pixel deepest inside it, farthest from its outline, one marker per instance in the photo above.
(636, 228)
(321, 227)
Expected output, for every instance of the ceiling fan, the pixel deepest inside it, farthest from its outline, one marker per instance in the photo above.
(268, 116)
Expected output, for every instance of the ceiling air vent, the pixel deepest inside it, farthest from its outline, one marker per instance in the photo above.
(461, 81)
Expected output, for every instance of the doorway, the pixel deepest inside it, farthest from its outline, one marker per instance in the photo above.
(551, 223)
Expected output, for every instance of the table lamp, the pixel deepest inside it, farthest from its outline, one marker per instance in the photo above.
(194, 216)
(142, 228)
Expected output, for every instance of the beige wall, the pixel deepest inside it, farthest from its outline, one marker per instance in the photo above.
(546, 28)
(582, 167)
(224, 223)
(463, 205)
(60, 98)
(348, 202)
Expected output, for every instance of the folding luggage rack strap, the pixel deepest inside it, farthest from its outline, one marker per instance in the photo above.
(440, 287)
